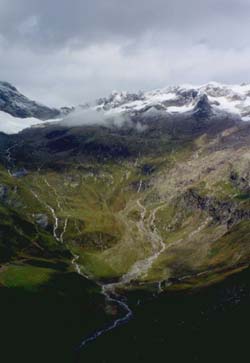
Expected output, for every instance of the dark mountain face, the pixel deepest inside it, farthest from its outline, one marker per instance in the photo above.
(56, 144)
(203, 109)
(18, 105)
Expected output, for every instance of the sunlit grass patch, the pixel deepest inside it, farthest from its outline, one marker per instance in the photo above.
(27, 277)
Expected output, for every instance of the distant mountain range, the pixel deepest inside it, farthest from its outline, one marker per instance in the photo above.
(233, 99)
(212, 99)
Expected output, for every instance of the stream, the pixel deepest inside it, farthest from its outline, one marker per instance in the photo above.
(211, 324)
(108, 290)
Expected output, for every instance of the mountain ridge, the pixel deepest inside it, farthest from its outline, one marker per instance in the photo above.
(218, 99)
(177, 99)
(18, 105)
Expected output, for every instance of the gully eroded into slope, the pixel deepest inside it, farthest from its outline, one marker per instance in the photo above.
(108, 290)
(146, 226)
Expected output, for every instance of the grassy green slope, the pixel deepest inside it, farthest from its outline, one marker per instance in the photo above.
(118, 206)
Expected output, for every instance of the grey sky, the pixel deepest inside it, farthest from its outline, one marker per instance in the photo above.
(66, 52)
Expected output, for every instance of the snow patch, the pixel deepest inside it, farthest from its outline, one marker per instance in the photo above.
(12, 125)
(180, 109)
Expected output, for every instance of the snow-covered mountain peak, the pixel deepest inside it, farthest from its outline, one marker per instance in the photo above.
(201, 101)
(217, 97)
(18, 105)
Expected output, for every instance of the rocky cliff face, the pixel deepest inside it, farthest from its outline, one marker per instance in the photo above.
(17, 105)
(221, 211)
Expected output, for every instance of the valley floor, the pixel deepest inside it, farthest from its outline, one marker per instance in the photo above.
(46, 325)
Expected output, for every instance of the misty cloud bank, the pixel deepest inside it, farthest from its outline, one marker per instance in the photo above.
(62, 52)
(91, 117)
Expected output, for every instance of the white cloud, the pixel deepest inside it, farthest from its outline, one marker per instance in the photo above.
(92, 117)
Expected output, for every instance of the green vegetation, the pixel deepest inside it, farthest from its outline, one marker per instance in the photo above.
(23, 276)
(115, 197)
